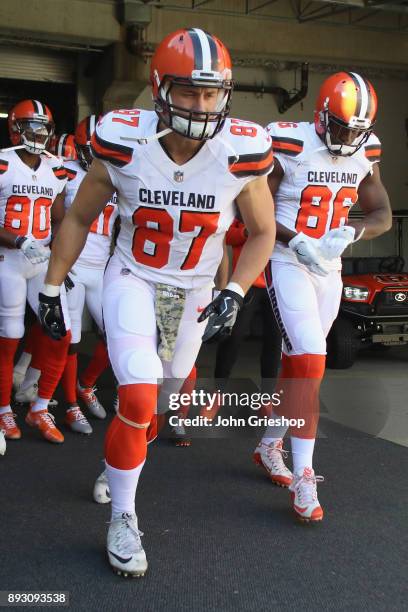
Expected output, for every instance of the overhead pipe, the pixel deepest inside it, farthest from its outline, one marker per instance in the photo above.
(285, 99)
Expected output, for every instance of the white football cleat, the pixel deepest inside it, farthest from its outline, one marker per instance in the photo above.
(303, 492)
(101, 492)
(76, 421)
(270, 457)
(3, 445)
(87, 395)
(124, 547)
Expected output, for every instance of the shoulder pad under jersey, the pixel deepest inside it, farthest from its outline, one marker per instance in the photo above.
(287, 137)
(116, 134)
(252, 147)
(372, 149)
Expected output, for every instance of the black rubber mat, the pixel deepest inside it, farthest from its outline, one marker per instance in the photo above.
(218, 534)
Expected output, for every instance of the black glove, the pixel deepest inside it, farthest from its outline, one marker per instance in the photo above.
(51, 316)
(69, 283)
(221, 313)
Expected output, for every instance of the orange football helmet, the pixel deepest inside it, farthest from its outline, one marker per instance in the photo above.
(82, 136)
(64, 146)
(345, 112)
(31, 124)
(194, 58)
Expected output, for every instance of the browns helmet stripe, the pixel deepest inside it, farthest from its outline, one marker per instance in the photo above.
(363, 95)
(205, 49)
(198, 52)
(213, 52)
(39, 108)
(370, 98)
(61, 145)
(355, 80)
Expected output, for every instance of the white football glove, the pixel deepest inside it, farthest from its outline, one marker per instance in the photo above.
(34, 251)
(336, 241)
(307, 252)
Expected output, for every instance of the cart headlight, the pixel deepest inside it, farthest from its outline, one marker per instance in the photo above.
(356, 294)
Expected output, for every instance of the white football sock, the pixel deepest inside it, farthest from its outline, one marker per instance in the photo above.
(302, 452)
(39, 404)
(122, 486)
(5, 409)
(273, 433)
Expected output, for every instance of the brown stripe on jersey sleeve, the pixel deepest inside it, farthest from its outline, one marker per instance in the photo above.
(3, 166)
(71, 174)
(60, 173)
(255, 164)
(116, 154)
(287, 146)
(373, 152)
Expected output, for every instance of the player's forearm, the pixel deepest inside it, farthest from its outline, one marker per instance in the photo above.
(253, 258)
(374, 223)
(66, 248)
(7, 239)
(283, 234)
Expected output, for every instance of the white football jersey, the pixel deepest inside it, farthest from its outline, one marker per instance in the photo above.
(317, 189)
(97, 247)
(173, 218)
(26, 195)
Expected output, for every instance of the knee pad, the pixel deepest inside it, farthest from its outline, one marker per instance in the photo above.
(11, 327)
(134, 365)
(310, 337)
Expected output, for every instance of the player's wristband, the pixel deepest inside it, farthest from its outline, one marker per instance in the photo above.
(237, 288)
(51, 290)
(19, 241)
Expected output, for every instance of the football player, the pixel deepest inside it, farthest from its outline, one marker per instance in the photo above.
(176, 172)
(31, 198)
(321, 170)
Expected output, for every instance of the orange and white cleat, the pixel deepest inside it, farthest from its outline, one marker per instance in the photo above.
(45, 422)
(76, 421)
(270, 458)
(303, 491)
(9, 426)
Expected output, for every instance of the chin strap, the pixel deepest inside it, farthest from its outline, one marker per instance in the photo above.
(147, 139)
(44, 152)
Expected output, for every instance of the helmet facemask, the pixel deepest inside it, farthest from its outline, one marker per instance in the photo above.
(34, 134)
(197, 125)
(336, 134)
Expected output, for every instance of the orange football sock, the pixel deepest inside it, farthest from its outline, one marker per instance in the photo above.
(8, 347)
(98, 364)
(126, 439)
(69, 378)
